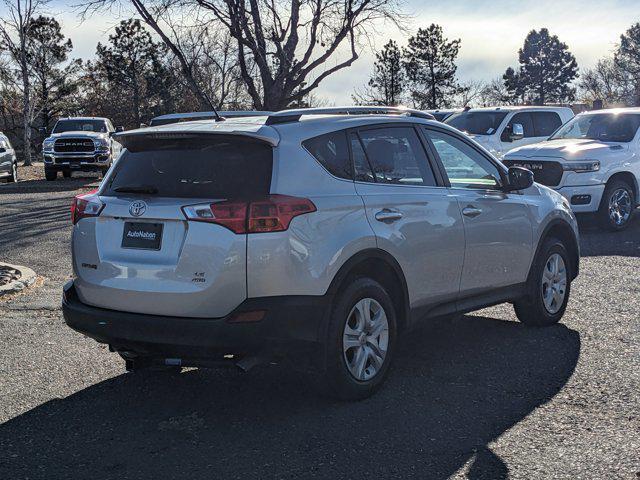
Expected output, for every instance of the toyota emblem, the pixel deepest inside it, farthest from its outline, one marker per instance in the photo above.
(137, 208)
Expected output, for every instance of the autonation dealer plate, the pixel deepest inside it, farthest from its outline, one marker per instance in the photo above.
(147, 236)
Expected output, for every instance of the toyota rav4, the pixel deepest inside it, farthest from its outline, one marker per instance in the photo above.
(317, 236)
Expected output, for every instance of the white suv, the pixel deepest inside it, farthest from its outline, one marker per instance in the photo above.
(313, 235)
(500, 129)
(593, 161)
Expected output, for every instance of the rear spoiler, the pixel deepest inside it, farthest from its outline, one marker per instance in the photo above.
(141, 138)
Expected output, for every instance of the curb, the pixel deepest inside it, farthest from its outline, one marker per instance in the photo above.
(27, 277)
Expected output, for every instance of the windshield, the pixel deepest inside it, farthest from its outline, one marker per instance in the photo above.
(80, 126)
(606, 127)
(476, 123)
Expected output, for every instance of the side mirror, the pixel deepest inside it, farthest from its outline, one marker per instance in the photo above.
(3, 150)
(519, 179)
(517, 132)
(143, 125)
(119, 129)
(43, 130)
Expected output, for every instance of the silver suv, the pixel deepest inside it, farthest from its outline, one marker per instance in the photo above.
(317, 236)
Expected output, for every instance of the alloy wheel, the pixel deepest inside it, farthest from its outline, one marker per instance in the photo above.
(620, 206)
(554, 283)
(365, 339)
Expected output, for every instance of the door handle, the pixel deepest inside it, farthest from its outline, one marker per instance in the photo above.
(471, 211)
(388, 215)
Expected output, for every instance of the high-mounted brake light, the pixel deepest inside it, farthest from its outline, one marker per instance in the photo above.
(271, 214)
(85, 205)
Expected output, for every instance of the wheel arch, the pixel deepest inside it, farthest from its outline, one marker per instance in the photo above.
(628, 177)
(561, 230)
(382, 267)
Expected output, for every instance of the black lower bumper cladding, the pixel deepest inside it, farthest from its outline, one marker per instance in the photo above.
(290, 326)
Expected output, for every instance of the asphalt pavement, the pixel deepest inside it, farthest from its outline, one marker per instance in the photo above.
(482, 397)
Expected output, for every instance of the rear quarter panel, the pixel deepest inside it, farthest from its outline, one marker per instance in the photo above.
(304, 259)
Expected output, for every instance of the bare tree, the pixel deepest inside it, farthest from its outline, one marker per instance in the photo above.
(603, 82)
(15, 24)
(496, 93)
(293, 45)
(470, 94)
(213, 64)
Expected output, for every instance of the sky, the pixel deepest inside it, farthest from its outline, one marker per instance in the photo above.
(491, 33)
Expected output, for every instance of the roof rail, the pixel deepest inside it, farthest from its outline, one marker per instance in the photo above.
(288, 116)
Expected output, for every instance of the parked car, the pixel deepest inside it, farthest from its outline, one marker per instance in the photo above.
(193, 116)
(80, 144)
(8, 160)
(593, 161)
(500, 129)
(309, 235)
(441, 115)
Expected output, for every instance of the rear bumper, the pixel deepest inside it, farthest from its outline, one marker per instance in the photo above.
(291, 326)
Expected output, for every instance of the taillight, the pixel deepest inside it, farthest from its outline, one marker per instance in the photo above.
(271, 214)
(86, 205)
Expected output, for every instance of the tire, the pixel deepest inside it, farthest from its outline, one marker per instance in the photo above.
(66, 173)
(616, 206)
(50, 174)
(337, 379)
(14, 173)
(532, 309)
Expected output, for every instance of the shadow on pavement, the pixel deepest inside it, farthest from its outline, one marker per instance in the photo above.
(595, 241)
(453, 389)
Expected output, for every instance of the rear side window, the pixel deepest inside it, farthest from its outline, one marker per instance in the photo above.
(228, 167)
(397, 156)
(545, 123)
(362, 169)
(332, 152)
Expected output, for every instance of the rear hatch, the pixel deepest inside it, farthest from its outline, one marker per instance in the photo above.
(161, 236)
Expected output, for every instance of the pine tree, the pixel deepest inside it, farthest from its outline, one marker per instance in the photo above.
(547, 68)
(627, 59)
(387, 83)
(429, 62)
(133, 65)
(47, 52)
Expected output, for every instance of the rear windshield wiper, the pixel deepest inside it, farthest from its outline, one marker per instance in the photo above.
(149, 189)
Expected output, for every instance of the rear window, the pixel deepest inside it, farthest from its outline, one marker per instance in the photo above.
(193, 168)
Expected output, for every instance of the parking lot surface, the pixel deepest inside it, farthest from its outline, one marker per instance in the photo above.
(481, 397)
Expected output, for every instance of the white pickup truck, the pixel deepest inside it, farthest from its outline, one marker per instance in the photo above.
(593, 161)
(79, 144)
(499, 129)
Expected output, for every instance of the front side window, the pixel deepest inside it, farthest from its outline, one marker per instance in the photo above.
(524, 119)
(465, 166)
(88, 125)
(397, 156)
(605, 127)
(332, 151)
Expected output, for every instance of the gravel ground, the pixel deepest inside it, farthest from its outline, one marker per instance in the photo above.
(480, 398)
